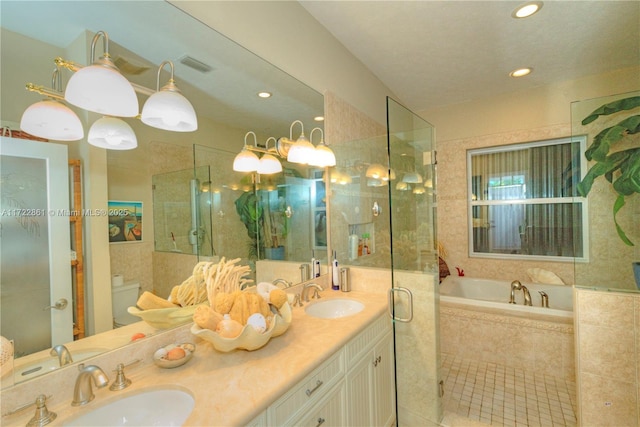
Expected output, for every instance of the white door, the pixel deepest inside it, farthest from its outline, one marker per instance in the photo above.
(35, 270)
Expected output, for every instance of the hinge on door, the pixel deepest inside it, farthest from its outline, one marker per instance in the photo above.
(435, 157)
(441, 388)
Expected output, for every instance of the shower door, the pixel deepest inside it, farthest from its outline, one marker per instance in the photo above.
(413, 297)
(35, 270)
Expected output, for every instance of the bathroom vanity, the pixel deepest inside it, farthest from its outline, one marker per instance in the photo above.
(337, 370)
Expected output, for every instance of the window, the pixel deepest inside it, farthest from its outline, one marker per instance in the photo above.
(523, 201)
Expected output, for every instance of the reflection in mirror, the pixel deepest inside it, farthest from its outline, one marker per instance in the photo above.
(523, 201)
(224, 97)
(613, 205)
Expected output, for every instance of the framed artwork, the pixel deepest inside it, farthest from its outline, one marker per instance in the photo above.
(125, 221)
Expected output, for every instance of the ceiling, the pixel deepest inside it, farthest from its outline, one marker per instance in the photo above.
(435, 53)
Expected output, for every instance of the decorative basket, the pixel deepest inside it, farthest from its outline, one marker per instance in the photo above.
(165, 318)
(249, 338)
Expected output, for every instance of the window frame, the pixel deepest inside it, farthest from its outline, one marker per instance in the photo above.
(581, 201)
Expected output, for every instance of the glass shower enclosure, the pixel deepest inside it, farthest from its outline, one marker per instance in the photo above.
(414, 266)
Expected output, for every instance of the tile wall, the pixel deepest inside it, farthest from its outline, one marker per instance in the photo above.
(608, 357)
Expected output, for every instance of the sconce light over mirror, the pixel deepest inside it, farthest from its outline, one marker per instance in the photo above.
(101, 88)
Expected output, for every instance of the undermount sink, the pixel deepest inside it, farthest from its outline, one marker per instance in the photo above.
(155, 407)
(334, 308)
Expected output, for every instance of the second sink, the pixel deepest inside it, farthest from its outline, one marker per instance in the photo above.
(334, 308)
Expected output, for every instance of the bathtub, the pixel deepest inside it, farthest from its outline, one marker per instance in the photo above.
(494, 294)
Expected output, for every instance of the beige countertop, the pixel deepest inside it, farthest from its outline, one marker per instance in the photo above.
(231, 389)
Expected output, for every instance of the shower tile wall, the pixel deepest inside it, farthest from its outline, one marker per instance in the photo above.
(608, 358)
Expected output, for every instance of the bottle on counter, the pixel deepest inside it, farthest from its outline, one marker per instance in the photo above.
(335, 273)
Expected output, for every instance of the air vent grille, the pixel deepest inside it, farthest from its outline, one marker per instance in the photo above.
(195, 64)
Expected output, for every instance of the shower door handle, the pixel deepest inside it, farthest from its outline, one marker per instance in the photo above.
(391, 305)
(61, 304)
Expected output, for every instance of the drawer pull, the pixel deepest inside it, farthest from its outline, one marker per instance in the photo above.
(310, 392)
(320, 422)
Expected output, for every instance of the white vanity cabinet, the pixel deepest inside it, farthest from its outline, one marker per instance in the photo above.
(310, 393)
(370, 377)
(354, 387)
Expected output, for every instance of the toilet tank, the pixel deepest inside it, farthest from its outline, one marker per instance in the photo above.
(123, 297)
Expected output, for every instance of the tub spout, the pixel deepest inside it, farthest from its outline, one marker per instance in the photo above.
(515, 286)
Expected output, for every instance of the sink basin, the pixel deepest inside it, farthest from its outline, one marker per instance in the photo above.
(155, 407)
(334, 308)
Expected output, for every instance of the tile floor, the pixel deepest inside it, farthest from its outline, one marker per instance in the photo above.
(501, 396)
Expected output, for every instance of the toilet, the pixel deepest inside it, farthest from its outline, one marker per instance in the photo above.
(123, 297)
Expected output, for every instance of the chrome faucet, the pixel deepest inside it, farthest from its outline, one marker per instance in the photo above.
(64, 356)
(83, 393)
(286, 283)
(517, 286)
(305, 291)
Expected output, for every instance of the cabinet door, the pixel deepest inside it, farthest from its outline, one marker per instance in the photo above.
(329, 412)
(359, 392)
(383, 383)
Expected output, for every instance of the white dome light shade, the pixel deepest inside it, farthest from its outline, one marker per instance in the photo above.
(377, 171)
(102, 89)
(51, 119)
(323, 157)
(412, 178)
(112, 134)
(246, 161)
(169, 110)
(302, 151)
(268, 165)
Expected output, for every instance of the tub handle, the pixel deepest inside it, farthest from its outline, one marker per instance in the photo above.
(390, 306)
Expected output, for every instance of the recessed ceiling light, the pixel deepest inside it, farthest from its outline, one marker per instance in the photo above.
(527, 9)
(319, 119)
(520, 72)
(264, 94)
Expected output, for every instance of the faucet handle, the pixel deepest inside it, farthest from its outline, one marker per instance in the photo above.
(121, 382)
(297, 301)
(316, 294)
(42, 416)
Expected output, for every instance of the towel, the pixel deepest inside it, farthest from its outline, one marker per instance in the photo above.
(539, 275)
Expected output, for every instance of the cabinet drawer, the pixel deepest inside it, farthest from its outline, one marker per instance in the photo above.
(329, 412)
(308, 392)
(357, 347)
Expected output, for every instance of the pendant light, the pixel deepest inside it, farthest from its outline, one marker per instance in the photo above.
(100, 87)
(268, 162)
(168, 109)
(302, 151)
(51, 119)
(112, 133)
(246, 160)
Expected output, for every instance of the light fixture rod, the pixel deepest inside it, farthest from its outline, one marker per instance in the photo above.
(51, 93)
(70, 65)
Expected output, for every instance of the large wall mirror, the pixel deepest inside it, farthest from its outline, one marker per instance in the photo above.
(182, 181)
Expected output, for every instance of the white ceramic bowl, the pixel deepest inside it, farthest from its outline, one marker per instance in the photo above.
(249, 338)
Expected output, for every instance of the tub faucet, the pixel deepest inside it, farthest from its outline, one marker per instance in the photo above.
(527, 295)
(83, 393)
(545, 298)
(517, 286)
(64, 356)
